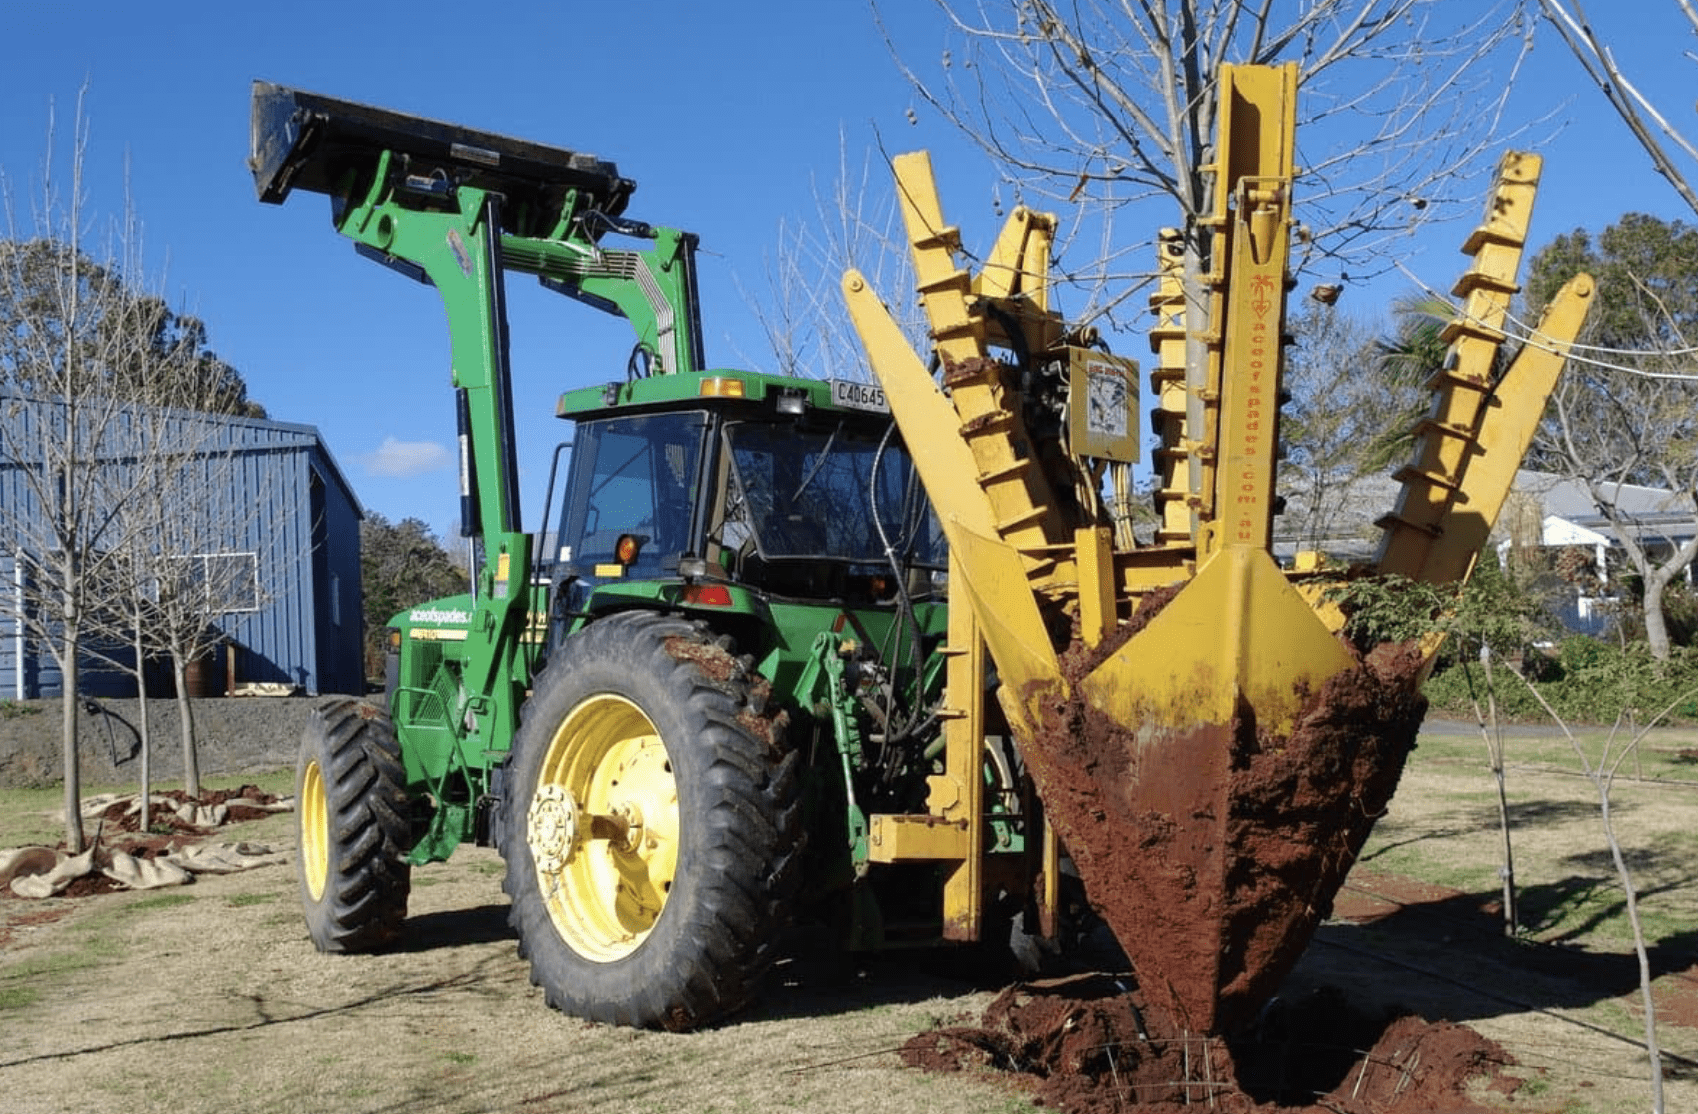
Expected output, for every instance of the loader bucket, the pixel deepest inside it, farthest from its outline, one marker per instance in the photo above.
(309, 141)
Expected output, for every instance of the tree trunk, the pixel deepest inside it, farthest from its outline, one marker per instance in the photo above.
(1494, 754)
(1656, 625)
(146, 742)
(73, 771)
(1647, 1002)
(186, 717)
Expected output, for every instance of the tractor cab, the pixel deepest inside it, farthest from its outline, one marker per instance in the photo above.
(764, 487)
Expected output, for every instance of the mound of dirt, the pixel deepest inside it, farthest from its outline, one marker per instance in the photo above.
(1088, 1045)
(167, 814)
(176, 822)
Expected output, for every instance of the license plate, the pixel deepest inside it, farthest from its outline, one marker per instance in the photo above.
(859, 396)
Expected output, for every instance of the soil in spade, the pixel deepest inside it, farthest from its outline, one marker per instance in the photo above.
(1242, 834)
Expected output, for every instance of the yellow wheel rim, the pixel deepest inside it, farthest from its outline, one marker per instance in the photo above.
(315, 832)
(602, 828)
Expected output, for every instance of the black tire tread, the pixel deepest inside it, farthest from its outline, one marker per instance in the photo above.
(365, 898)
(747, 834)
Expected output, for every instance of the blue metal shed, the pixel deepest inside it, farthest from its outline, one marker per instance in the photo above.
(301, 539)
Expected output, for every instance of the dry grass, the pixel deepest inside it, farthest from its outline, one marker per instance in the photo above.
(214, 1001)
(1564, 994)
(1443, 827)
(211, 999)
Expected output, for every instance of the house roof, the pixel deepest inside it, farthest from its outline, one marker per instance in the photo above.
(1556, 530)
(1654, 509)
(1350, 533)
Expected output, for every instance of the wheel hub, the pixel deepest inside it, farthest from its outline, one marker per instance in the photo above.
(603, 827)
(630, 817)
(552, 828)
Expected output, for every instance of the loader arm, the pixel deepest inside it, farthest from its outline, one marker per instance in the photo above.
(557, 205)
(458, 209)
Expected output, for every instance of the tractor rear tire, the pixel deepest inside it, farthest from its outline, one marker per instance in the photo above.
(652, 826)
(351, 804)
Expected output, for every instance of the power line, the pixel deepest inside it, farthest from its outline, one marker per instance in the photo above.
(1530, 336)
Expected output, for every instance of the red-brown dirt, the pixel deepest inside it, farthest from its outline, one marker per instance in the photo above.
(244, 803)
(11, 922)
(119, 830)
(1242, 835)
(1086, 1046)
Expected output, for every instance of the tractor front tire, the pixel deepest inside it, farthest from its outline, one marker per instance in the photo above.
(351, 805)
(652, 826)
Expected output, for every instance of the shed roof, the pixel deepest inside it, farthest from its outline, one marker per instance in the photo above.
(267, 433)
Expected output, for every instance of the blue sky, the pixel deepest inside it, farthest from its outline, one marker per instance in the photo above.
(727, 114)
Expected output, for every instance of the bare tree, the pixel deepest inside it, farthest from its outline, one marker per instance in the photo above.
(1625, 414)
(61, 423)
(1109, 104)
(1607, 434)
(1340, 423)
(1672, 150)
(171, 393)
(1600, 769)
(1494, 618)
(855, 223)
(192, 552)
(203, 555)
(104, 392)
(1625, 419)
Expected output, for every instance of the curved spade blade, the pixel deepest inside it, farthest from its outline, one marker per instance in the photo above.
(1216, 776)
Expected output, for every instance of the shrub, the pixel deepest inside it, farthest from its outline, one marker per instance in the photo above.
(1585, 680)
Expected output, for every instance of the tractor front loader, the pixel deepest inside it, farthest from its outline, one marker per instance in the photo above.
(881, 657)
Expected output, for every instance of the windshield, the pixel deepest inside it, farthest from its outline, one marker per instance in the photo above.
(633, 476)
(805, 493)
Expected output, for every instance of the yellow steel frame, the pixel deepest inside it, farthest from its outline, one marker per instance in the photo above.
(1006, 535)
(1238, 638)
(1167, 384)
(1471, 443)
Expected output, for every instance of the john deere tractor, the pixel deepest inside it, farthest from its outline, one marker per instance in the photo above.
(680, 706)
(884, 655)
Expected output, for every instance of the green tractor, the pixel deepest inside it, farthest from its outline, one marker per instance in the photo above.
(707, 695)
